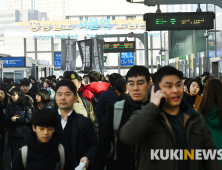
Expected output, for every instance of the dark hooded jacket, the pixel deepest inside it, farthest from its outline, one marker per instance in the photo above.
(24, 112)
(44, 156)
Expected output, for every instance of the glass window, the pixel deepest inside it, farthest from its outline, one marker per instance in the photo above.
(140, 57)
(123, 72)
(110, 71)
(156, 39)
(45, 56)
(112, 59)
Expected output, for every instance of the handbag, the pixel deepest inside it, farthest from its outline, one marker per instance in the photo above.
(20, 131)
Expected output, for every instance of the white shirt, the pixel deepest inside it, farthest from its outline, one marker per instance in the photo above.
(64, 122)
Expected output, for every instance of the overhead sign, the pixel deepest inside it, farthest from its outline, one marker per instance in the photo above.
(112, 47)
(127, 59)
(57, 59)
(88, 24)
(179, 21)
(13, 61)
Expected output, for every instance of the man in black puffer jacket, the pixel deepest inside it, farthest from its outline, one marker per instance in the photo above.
(107, 97)
(43, 144)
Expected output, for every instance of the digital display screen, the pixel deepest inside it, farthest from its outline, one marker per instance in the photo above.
(179, 21)
(112, 47)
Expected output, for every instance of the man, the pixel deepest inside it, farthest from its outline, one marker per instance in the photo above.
(137, 78)
(82, 105)
(41, 81)
(175, 125)
(85, 80)
(76, 131)
(60, 78)
(120, 86)
(24, 86)
(95, 88)
(107, 97)
(203, 76)
(54, 79)
(34, 87)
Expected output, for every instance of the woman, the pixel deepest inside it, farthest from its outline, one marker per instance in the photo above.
(3, 104)
(46, 85)
(211, 109)
(195, 89)
(43, 99)
(17, 119)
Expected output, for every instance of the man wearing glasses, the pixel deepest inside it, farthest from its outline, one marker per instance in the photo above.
(122, 156)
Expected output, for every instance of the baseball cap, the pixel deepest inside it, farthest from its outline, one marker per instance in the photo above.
(71, 75)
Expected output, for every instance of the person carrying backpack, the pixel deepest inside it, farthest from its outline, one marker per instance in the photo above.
(93, 90)
(42, 149)
(121, 156)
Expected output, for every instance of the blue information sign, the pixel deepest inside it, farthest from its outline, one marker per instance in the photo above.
(13, 61)
(127, 58)
(57, 59)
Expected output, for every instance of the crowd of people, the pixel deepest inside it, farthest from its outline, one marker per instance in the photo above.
(110, 122)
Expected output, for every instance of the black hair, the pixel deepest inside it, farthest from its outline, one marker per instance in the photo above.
(8, 81)
(165, 71)
(60, 76)
(47, 82)
(21, 95)
(107, 75)
(94, 76)
(68, 83)
(6, 96)
(85, 76)
(42, 78)
(45, 96)
(138, 71)
(11, 79)
(184, 78)
(33, 79)
(198, 82)
(79, 78)
(45, 118)
(186, 81)
(120, 85)
(113, 77)
(53, 76)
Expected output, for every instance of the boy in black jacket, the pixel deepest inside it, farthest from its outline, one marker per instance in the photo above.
(43, 143)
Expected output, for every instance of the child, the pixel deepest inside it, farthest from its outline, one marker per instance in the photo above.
(42, 143)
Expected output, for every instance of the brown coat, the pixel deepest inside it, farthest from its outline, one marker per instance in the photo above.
(198, 101)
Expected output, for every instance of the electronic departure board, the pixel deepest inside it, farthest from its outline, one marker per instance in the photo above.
(179, 21)
(112, 47)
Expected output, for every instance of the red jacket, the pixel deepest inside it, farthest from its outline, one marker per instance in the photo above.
(96, 87)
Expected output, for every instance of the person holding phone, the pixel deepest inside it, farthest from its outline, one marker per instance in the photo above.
(175, 125)
(17, 119)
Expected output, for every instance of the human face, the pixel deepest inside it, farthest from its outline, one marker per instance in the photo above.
(65, 98)
(44, 134)
(194, 88)
(25, 89)
(45, 85)
(172, 87)
(76, 82)
(15, 97)
(137, 88)
(2, 95)
(38, 98)
(86, 80)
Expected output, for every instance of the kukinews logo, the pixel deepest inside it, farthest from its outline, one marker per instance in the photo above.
(180, 154)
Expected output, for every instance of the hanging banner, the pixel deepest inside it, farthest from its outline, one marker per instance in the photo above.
(68, 50)
(98, 65)
(85, 49)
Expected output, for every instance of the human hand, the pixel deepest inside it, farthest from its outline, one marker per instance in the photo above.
(156, 97)
(85, 160)
(14, 118)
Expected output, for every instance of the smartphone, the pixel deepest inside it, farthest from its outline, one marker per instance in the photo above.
(163, 100)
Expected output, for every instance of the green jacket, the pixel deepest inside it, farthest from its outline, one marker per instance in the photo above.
(215, 127)
(149, 128)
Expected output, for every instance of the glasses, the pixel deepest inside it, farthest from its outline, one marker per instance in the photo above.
(139, 83)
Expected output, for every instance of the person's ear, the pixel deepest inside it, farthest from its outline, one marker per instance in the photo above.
(76, 99)
(33, 128)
